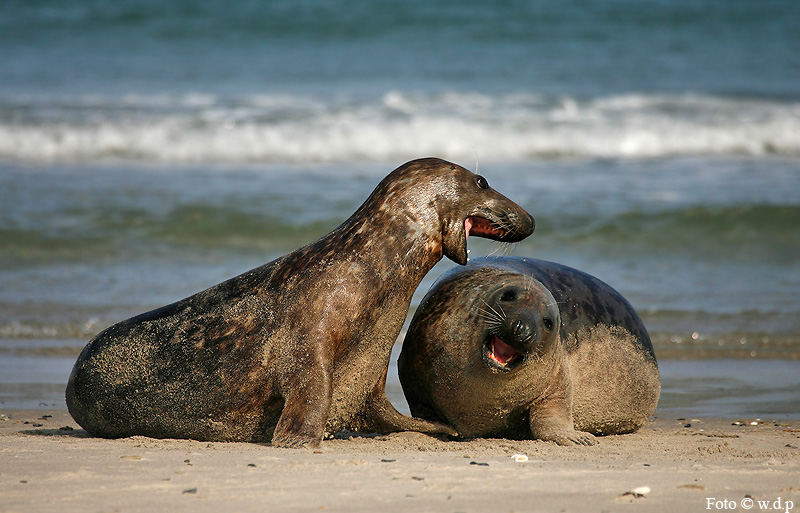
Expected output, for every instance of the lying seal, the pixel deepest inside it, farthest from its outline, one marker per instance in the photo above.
(300, 346)
(525, 348)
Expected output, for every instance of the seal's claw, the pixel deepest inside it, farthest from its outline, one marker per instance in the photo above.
(444, 429)
(288, 441)
(583, 438)
(574, 438)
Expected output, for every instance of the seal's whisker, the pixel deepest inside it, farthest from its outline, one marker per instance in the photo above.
(502, 315)
(498, 246)
(506, 248)
(489, 310)
(502, 312)
(554, 302)
(490, 320)
(528, 281)
(490, 314)
(490, 317)
(507, 226)
(537, 357)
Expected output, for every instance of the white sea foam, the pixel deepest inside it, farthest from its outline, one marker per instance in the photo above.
(201, 127)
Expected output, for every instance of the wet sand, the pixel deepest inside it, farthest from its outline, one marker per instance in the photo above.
(47, 463)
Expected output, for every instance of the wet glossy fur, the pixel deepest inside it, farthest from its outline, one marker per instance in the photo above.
(298, 347)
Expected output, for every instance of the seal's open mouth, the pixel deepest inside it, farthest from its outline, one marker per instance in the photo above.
(501, 355)
(474, 225)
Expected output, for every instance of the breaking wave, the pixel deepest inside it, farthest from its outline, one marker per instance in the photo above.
(394, 126)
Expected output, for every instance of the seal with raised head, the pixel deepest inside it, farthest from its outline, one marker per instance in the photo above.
(300, 346)
(525, 348)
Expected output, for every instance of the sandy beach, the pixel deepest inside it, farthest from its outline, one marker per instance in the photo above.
(47, 463)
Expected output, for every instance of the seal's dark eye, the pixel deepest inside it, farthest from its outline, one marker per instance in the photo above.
(482, 183)
(508, 295)
(548, 323)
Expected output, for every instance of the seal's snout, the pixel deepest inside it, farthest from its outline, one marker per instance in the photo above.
(530, 224)
(475, 209)
(515, 329)
(511, 225)
(522, 331)
(509, 342)
(522, 222)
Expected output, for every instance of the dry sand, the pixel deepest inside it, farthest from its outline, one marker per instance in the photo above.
(48, 464)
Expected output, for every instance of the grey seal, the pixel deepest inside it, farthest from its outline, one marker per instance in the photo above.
(298, 347)
(526, 348)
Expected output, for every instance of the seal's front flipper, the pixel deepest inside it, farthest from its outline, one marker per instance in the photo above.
(559, 431)
(380, 416)
(550, 419)
(305, 413)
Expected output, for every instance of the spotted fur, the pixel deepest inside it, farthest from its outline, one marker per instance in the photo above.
(298, 347)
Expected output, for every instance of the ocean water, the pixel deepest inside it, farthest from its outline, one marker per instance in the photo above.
(149, 150)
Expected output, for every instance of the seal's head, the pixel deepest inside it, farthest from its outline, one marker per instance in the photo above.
(481, 320)
(480, 349)
(455, 202)
(516, 321)
(481, 211)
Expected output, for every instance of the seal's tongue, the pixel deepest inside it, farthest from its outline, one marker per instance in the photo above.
(474, 225)
(501, 352)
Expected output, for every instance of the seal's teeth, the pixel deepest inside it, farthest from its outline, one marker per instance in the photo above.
(495, 359)
(501, 355)
(502, 352)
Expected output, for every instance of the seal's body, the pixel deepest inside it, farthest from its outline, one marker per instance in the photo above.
(300, 346)
(525, 348)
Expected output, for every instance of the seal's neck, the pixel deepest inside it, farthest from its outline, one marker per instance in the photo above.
(400, 243)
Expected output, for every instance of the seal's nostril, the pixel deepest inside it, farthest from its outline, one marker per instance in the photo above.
(522, 330)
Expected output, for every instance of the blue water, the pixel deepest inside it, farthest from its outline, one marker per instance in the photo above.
(335, 81)
(151, 149)
(585, 48)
